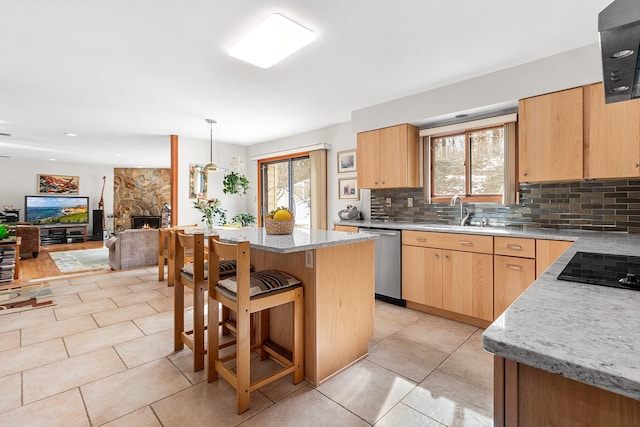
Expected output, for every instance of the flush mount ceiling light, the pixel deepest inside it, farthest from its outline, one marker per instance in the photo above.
(71, 134)
(272, 41)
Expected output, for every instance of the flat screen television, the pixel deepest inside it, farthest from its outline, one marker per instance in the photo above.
(52, 210)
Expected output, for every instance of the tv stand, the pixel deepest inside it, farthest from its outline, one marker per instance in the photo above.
(57, 234)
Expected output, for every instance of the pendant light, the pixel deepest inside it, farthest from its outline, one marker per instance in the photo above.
(211, 167)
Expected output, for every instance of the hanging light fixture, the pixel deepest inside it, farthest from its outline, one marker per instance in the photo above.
(237, 165)
(211, 167)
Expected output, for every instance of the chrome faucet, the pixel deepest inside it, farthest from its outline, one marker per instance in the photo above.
(463, 216)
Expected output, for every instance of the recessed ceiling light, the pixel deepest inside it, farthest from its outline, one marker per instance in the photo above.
(53, 160)
(461, 116)
(272, 41)
(71, 134)
(118, 155)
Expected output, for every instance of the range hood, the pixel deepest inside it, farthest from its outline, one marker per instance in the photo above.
(619, 28)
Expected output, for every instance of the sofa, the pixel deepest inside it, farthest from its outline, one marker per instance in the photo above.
(30, 239)
(133, 249)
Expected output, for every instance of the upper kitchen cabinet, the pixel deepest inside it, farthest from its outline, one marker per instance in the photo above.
(612, 140)
(551, 137)
(389, 157)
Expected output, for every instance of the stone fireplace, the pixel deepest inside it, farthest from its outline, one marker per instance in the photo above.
(146, 222)
(140, 192)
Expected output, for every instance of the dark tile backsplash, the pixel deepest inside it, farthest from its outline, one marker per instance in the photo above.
(603, 205)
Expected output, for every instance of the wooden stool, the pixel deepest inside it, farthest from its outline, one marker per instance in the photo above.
(165, 251)
(236, 294)
(194, 280)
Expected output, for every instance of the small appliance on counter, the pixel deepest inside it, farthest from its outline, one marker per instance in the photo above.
(349, 213)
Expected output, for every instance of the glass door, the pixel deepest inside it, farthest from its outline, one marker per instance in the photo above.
(287, 182)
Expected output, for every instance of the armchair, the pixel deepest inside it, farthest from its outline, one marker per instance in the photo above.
(133, 249)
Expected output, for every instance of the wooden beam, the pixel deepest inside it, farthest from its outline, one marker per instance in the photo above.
(174, 180)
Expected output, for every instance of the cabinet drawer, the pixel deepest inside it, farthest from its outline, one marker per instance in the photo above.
(453, 241)
(513, 246)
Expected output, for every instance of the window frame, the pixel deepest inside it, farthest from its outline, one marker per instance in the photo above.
(467, 197)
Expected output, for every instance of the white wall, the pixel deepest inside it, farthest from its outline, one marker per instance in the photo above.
(340, 137)
(19, 178)
(570, 69)
(197, 151)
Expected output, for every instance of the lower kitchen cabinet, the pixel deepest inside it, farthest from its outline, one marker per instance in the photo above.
(347, 228)
(512, 276)
(547, 252)
(468, 284)
(422, 275)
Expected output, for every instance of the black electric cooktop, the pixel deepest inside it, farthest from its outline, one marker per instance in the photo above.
(616, 271)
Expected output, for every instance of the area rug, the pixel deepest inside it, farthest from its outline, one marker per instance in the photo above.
(26, 297)
(81, 260)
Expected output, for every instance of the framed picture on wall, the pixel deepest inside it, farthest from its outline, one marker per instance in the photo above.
(348, 189)
(347, 161)
(58, 184)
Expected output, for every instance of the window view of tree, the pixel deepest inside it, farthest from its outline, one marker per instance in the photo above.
(469, 163)
(287, 182)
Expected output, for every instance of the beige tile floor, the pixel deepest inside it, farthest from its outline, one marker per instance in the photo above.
(104, 356)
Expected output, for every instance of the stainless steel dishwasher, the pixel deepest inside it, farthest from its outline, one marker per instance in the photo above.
(388, 264)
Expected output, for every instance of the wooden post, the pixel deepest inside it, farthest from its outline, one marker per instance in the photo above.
(174, 180)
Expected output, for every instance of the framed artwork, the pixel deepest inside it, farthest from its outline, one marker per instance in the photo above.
(348, 189)
(58, 184)
(197, 181)
(347, 161)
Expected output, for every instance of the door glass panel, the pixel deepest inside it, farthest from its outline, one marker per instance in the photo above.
(287, 183)
(302, 191)
(487, 161)
(448, 165)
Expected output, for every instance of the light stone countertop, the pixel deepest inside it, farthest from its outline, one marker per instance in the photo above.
(585, 332)
(299, 240)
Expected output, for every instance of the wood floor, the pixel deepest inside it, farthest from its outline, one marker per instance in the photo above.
(43, 266)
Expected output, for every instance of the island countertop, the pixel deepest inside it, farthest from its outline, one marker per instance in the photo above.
(299, 240)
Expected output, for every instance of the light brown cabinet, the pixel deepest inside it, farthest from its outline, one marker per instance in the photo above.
(468, 284)
(612, 138)
(547, 252)
(551, 137)
(389, 157)
(347, 228)
(450, 271)
(512, 277)
(422, 275)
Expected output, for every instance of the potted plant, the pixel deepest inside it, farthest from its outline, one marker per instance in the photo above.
(235, 183)
(243, 219)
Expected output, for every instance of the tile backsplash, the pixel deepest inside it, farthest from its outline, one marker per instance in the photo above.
(602, 205)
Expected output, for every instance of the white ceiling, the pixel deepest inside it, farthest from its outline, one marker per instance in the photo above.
(125, 74)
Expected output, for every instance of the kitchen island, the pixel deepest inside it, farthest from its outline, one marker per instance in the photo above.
(337, 272)
(568, 352)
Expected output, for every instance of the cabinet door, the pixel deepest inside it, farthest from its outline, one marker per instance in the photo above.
(368, 155)
(422, 275)
(612, 141)
(347, 228)
(512, 276)
(467, 284)
(547, 252)
(551, 137)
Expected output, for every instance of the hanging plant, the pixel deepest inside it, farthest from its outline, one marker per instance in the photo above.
(235, 183)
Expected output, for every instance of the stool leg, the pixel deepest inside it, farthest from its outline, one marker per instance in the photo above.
(178, 316)
(171, 274)
(198, 328)
(160, 268)
(225, 315)
(298, 337)
(213, 340)
(263, 331)
(243, 366)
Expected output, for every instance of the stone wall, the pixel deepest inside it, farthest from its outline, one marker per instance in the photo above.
(139, 191)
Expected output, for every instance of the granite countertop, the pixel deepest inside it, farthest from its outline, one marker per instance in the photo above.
(299, 240)
(585, 332)
(531, 233)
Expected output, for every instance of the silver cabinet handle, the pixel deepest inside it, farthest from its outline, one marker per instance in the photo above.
(514, 267)
(421, 239)
(516, 247)
(466, 243)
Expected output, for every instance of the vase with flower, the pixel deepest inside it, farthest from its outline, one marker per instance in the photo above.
(212, 213)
